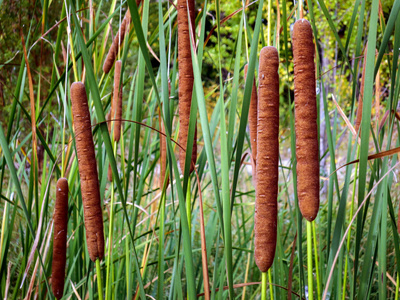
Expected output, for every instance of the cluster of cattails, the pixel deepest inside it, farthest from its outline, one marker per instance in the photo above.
(265, 141)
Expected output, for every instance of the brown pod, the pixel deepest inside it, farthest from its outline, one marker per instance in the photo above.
(265, 217)
(117, 113)
(88, 172)
(117, 42)
(186, 79)
(253, 118)
(307, 148)
(60, 238)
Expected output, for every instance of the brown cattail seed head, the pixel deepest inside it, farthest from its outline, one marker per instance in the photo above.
(253, 118)
(117, 42)
(307, 148)
(265, 218)
(60, 238)
(88, 172)
(117, 114)
(185, 78)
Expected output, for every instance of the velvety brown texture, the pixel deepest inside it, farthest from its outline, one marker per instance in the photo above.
(116, 113)
(253, 118)
(307, 144)
(60, 219)
(265, 217)
(361, 96)
(185, 79)
(93, 213)
(117, 42)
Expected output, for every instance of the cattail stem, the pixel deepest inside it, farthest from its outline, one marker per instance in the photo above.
(271, 290)
(316, 261)
(99, 282)
(309, 262)
(264, 276)
(269, 24)
(110, 236)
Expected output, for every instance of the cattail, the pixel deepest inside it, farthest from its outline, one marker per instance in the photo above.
(116, 109)
(253, 118)
(307, 151)
(361, 96)
(117, 101)
(265, 218)
(117, 42)
(185, 79)
(88, 172)
(60, 238)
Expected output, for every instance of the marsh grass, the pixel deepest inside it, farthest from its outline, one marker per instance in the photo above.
(155, 244)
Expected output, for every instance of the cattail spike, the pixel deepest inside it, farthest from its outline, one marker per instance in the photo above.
(93, 213)
(185, 79)
(60, 238)
(253, 119)
(307, 144)
(265, 217)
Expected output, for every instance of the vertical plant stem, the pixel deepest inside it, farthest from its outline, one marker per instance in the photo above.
(309, 261)
(349, 235)
(188, 207)
(316, 261)
(397, 287)
(99, 283)
(264, 286)
(73, 55)
(110, 237)
(271, 290)
(269, 24)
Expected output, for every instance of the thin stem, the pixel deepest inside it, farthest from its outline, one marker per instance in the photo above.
(269, 24)
(316, 261)
(99, 283)
(271, 291)
(264, 286)
(348, 237)
(301, 9)
(110, 236)
(309, 261)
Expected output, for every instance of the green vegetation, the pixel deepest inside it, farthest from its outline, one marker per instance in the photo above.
(194, 236)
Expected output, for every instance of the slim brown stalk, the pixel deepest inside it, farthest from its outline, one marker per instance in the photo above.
(307, 148)
(185, 79)
(265, 218)
(60, 238)
(88, 172)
